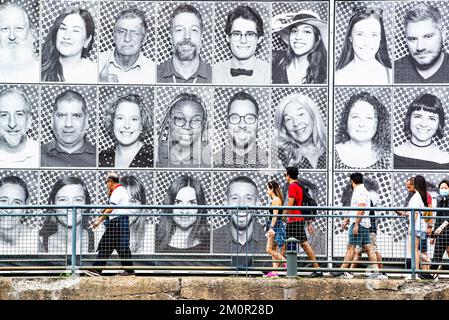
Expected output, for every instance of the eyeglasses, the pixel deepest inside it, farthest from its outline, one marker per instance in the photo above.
(370, 10)
(237, 36)
(193, 123)
(180, 30)
(249, 118)
(133, 33)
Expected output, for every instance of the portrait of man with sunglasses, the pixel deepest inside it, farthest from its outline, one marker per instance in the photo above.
(241, 149)
(244, 33)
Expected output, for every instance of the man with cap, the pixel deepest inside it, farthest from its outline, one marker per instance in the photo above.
(305, 60)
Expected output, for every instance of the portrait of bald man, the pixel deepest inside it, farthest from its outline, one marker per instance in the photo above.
(18, 60)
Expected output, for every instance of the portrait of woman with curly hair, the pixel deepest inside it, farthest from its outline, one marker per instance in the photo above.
(363, 134)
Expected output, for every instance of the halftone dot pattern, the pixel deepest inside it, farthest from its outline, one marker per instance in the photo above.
(400, 45)
(385, 198)
(222, 97)
(52, 9)
(32, 8)
(163, 180)
(403, 97)
(105, 141)
(319, 95)
(343, 12)
(49, 177)
(341, 95)
(32, 182)
(399, 227)
(164, 97)
(319, 179)
(145, 177)
(49, 94)
(321, 8)
(109, 11)
(220, 183)
(164, 46)
(32, 92)
(222, 50)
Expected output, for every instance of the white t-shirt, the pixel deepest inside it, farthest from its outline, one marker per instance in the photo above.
(416, 202)
(119, 197)
(360, 196)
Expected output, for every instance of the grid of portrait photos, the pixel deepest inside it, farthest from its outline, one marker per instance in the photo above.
(205, 102)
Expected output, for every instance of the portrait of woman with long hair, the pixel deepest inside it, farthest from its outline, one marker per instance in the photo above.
(305, 60)
(67, 46)
(183, 230)
(364, 59)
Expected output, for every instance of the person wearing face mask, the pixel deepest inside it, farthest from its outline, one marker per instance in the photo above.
(440, 233)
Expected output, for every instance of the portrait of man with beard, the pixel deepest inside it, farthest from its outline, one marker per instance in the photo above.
(186, 65)
(242, 234)
(18, 61)
(241, 149)
(426, 61)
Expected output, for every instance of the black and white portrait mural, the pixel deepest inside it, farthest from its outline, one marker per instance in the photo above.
(127, 42)
(69, 41)
(362, 128)
(19, 234)
(420, 136)
(241, 127)
(68, 126)
(414, 20)
(202, 103)
(183, 121)
(19, 44)
(364, 42)
(299, 129)
(183, 231)
(126, 127)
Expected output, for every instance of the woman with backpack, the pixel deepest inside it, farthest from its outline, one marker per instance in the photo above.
(275, 227)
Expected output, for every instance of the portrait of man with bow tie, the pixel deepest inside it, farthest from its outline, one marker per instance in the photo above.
(244, 33)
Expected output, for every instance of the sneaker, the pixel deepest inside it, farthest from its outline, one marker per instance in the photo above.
(347, 275)
(92, 273)
(425, 276)
(407, 277)
(316, 274)
(382, 276)
(271, 274)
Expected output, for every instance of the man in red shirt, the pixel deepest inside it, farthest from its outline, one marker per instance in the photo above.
(296, 225)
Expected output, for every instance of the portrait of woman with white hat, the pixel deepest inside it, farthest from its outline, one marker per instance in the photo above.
(305, 60)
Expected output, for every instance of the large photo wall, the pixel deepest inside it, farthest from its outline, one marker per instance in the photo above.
(219, 92)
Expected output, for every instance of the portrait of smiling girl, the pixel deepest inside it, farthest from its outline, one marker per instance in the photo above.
(423, 123)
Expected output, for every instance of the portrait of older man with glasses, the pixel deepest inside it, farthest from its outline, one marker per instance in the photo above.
(244, 33)
(126, 63)
(242, 234)
(241, 149)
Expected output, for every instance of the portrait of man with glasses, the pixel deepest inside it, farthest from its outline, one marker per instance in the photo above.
(242, 234)
(126, 63)
(183, 140)
(244, 33)
(241, 149)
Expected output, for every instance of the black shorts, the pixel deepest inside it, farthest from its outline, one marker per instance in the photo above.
(296, 230)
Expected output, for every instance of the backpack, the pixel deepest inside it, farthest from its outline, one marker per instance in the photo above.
(307, 200)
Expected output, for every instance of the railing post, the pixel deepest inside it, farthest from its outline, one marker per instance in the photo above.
(412, 243)
(73, 240)
(292, 258)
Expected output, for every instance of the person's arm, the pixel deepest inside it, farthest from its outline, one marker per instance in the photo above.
(357, 220)
(100, 219)
(291, 203)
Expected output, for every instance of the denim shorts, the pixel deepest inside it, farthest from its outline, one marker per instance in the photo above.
(361, 239)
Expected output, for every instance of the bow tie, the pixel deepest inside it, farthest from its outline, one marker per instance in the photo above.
(240, 72)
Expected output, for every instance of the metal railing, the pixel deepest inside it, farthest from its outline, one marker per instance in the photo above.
(224, 224)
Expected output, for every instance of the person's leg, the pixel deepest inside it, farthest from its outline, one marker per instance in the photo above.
(368, 247)
(357, 256)
(105, 247)
(373, 238)
(271, 250)
(349, 256)
(310, 253)
(440, 247)
(123, 247)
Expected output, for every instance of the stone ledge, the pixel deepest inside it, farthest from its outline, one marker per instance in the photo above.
(217, 288)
